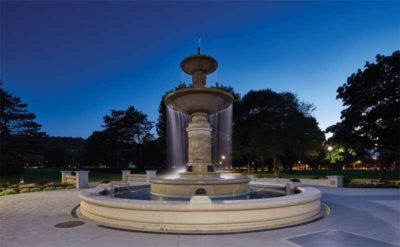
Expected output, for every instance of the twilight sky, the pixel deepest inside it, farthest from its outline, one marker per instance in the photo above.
(73, 62)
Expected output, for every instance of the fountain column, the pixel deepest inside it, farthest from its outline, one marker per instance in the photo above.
(199, 148)
(199, 136)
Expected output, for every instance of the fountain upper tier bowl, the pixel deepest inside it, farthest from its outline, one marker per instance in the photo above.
(192, 100)
(199, 62)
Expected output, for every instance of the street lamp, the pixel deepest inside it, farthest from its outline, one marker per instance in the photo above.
(330, 149)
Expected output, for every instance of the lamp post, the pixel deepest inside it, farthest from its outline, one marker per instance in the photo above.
(222, 160)
(330, 149)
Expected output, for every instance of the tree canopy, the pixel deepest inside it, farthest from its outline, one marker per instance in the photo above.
(130, 126)
(370, 120)
(121, 141)
(15, 119)
(272, 125)
(16, 123)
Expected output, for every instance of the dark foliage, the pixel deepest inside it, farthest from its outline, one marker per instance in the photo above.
(17, 126)
(122, 141)
(275, 128)
(370, 121)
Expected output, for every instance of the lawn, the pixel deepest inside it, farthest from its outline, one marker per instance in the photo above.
(42, 175)
(349, 174)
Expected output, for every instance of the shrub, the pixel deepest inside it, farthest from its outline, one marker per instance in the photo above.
(52, 184)
(70, 187)
(8, 192)
(60, 188)
(36, 189)
(24, 190)
(22, 186)
(14, 186)
(49, 188)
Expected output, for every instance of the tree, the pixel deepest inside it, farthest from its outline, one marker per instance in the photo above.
(130, 126)
(98, 149)
(123, 130)
(15, 121)
(370, 120)
(62, 151)
(274, 125)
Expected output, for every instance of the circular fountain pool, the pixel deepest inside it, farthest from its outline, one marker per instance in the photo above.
(144, 193)
(261, 209)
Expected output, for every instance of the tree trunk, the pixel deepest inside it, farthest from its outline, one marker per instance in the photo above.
(276, 165)
(117, 155)
(262, 164)
(140, 156)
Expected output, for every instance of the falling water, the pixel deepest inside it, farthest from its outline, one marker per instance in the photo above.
(177, 142)
(221, 122)
(176, 138)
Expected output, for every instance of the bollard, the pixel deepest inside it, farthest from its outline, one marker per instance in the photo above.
(335, 181)
(82, 179)
(125, 174)
(150, 174)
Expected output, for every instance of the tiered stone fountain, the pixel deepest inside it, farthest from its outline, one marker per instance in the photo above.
(188, 204)
(198, 101)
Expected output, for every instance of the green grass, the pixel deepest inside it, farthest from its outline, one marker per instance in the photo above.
(350, 174)
(46, 175)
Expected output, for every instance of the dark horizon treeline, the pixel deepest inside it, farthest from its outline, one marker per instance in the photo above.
(271, 131)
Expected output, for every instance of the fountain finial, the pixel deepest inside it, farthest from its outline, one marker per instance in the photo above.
(198, 46)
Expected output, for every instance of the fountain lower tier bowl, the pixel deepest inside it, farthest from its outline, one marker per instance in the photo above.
(202, 216)
(212, 187)
(192, 100)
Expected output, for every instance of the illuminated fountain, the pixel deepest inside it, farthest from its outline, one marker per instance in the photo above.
(200, 200)
(199, 102)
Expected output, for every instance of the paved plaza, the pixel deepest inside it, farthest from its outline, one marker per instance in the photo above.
(358, 217)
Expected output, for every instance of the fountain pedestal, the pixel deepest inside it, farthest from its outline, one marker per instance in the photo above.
(199, 149)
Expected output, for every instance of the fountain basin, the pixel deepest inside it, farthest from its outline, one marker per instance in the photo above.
(213, 187)
(206, 100)
(202, 216)
(199, 62)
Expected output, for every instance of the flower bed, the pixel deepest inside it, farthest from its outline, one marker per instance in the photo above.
(27, 188)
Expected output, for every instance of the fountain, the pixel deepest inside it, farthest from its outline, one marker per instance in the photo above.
(199, 102)
(200, 200)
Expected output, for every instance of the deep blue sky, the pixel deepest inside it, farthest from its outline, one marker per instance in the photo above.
(73, 62)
